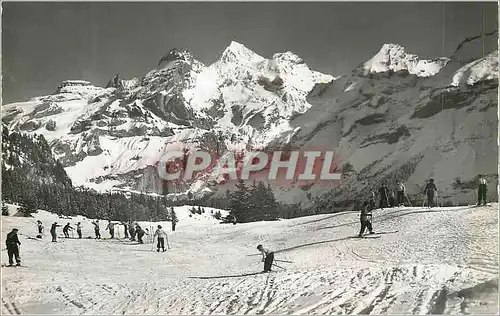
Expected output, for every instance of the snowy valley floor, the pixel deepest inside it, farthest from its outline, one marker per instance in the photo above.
(442, 260)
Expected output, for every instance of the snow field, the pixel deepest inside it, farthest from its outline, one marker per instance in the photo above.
(442, 260)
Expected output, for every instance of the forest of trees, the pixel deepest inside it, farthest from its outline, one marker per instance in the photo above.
(34, 179)
(253, 203)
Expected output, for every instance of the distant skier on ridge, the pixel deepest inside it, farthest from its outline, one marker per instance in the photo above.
(430, 188)
(384, 198)
(482, 189)
(400, 193)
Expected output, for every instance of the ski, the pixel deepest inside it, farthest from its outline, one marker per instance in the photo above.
(388, 232)
(370, 236)
(230, 276)
(12, 266)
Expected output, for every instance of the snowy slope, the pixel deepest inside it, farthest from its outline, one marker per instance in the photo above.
(442, 260)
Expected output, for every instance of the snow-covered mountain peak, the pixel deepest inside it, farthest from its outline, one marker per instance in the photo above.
(237, 53)
(288, 57)
(392, 57)
(175, 54)
(82, 88)
(485, 68)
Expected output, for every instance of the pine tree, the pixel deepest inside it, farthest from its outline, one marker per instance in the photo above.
(5, 210)
(239, 202)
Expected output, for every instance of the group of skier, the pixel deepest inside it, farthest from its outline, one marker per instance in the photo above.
(387, 198)
(398, 196)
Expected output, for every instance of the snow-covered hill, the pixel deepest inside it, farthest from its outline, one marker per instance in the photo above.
(396, 115)
(442, 260)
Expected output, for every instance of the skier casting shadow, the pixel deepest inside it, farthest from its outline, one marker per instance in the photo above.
(267, 258)
(366, 219)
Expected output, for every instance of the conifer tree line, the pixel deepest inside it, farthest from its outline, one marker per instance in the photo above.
(34, 179)
(255, 202)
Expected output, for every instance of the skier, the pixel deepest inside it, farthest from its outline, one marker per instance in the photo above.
(392, 199)
(401, 193)
(40, 229)
(267, 258)
(125, 226)
(366, 219)
(111, 228)
(430, 188)
(53, 231)
(174, 218)
(140, 233)
(234, 219)
(96, 229)
(373, 198)
(12, 242)
(383, 196)
(481, 190)
(79, 230)
(132, 231)
(161, 238)
(66, 229)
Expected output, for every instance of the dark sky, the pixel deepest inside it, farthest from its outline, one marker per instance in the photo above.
(46, 43)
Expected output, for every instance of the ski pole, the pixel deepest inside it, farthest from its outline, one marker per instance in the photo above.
(274, 264)
(283, 261)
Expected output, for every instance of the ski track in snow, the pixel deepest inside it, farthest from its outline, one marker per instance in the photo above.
(419, 269)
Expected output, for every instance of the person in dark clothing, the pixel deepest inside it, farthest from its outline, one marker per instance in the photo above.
(174, 218)
(140, 233)
(366, 219)
(392, 199)
(66, 229)
(111, 228)
(53, 231)
(12, 242)
(234, 220)
(79, 230)
(161, 238)
(125, 226)
(400, 193)
(96, 229)
(482, 189)
(132, 232)
(430, 188)
(40, 227)
(267, 258)
(384, 195)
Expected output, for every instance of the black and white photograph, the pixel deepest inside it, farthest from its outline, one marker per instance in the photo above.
(249, 158)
